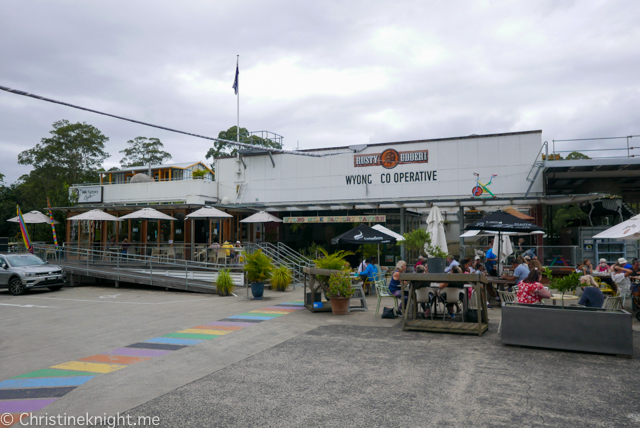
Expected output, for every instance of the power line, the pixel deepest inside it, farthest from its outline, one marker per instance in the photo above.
(235, 143)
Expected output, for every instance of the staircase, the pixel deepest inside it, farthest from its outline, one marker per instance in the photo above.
(283, 255)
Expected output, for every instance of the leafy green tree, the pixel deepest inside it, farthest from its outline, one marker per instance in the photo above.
(224, 149)
(73, 153)
(576, 155)
(144, 151)
(1, 178)
(566, 214)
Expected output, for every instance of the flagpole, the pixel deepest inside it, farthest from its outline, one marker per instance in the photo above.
(238, 99)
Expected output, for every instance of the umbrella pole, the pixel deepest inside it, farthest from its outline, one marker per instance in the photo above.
(499, 250)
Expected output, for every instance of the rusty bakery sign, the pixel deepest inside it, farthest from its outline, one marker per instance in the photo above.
(390, 158)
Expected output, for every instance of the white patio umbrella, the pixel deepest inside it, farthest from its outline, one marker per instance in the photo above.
(208, 212)
(147, 214)
(205, 213)
(261, 217)
(34, 217)
(435, 227)
(629, 229)
(503, 248)
(97, 215)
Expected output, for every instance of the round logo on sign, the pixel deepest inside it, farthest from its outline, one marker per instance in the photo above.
(389, 158)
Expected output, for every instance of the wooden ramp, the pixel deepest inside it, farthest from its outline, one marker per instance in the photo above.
(140, 273)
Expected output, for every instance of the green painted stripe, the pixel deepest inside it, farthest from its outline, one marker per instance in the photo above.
(192, 336)
(54, 373)
(262, 314)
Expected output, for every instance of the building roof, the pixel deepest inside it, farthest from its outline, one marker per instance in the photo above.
(361, 147)
(182, 165)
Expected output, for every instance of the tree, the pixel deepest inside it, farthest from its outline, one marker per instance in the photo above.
(144, 151)
(73, 153)
(224, 149)
(1, 178)
(576, 155)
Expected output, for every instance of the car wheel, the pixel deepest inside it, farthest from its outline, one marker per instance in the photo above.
(16, 287)
(56, 288)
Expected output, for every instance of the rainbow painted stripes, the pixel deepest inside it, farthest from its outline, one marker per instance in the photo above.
(33, 391)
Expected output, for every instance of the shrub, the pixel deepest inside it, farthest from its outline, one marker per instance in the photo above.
(258, 266)
(340, 285)
(224, 283)
(333, 261)
(281, 278)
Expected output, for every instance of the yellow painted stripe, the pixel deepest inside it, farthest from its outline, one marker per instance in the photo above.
(207, 331)
(89, 367)
(270, 312)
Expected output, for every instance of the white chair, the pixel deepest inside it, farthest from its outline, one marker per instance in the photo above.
(613, 303)
(452, 296)
(171, 253)
(506, 297)
(221, 254)
(426, 295)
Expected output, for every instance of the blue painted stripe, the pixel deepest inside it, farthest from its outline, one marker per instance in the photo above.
(290, 304)
(249, 317)
(174, 341)
(45, 381)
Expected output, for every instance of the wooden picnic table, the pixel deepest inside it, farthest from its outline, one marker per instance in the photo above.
(410, 319)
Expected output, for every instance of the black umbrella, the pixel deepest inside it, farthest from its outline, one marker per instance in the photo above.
(363, 234)
(501, 221)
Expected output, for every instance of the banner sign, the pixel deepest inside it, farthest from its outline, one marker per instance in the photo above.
(87, 195)
(338, 219)
(390, 158)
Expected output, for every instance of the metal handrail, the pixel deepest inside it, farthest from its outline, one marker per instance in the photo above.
(128, 266)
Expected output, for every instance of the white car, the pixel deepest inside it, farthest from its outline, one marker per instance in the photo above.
(22, 272)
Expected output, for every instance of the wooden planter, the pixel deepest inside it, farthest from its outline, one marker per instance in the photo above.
(570, 328)
(314, 287)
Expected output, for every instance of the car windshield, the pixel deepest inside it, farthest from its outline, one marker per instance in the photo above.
(26, 260)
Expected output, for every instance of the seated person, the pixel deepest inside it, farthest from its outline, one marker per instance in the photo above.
(424, 290)
(369, 274)
(588, 267)
(451, 262)
(477, 264)
(466, 266)
(603, 266)
(395, 285)
(580, 268)
(214, 245)
(591, 297)
(228, 248)
(520, 271)
(448, 290)
(531, 289)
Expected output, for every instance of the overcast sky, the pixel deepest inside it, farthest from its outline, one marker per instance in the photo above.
(323, 73)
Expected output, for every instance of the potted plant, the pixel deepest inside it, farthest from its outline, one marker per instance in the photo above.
(340, 292)
(420, 240)
(334, 261)
(281, 278)
(259, 268)
(224, 283)
(566, 284)
(574, 328)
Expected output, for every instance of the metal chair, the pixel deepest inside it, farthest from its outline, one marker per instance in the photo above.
(383, 291)
(506, 297)
(612, 303)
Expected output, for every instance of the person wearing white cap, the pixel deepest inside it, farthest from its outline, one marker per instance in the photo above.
(620, 275)
(603, 266)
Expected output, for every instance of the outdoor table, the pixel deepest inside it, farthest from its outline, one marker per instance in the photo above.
(555, 297)
(410, 319)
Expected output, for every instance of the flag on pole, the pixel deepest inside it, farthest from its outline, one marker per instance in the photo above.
(25, 232)
(235, 81)
(53, 226)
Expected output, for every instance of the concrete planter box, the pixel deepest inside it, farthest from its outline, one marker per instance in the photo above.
(571, 328)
